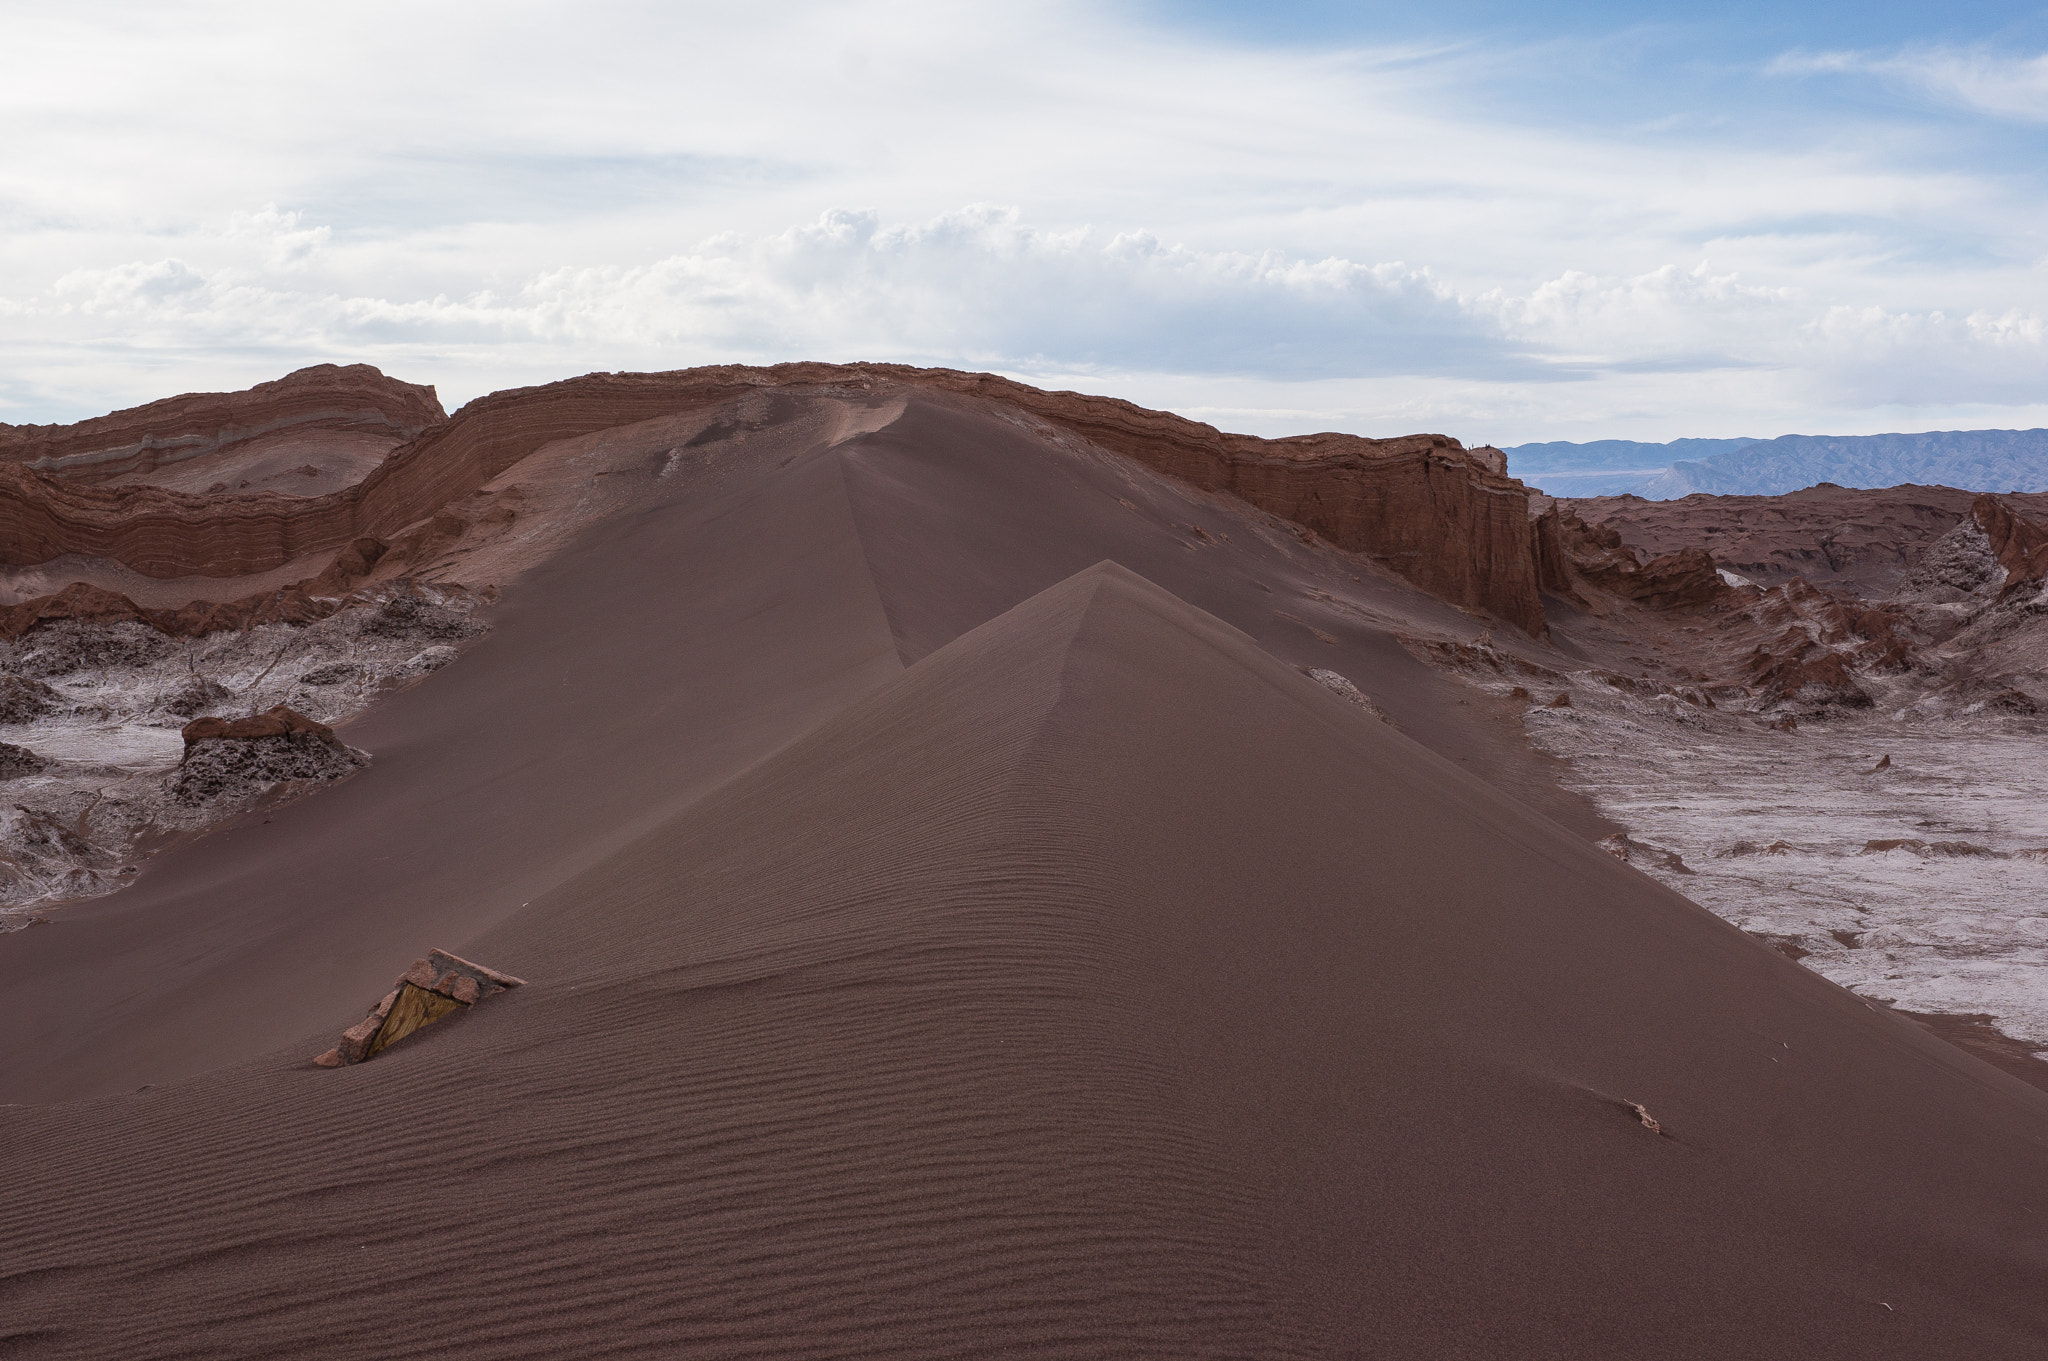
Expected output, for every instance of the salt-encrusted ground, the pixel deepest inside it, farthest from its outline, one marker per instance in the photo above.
(1923, 884)
(101, 707)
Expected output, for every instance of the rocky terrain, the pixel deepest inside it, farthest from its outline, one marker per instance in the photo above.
(308, 432)
(1866, 540)
(1716, 657)
(111, 756)
(997, 871)
(1850, 770)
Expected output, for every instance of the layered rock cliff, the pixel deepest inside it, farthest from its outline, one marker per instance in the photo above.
(1444, 517)
(354, 398)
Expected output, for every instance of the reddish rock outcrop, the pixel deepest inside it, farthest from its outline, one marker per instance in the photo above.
(280, 721)
(1426, 507)
(1867, 539)
(1432, 511)
(2021, 546)
(1869, 635)
(1823, 637)
(1423, 504)
(1797, 670)
(1568, 552)
(141, 439)
(230, 762)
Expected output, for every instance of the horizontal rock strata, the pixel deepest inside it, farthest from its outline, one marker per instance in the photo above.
(1444, 517)
(142, 439)
(301, 602)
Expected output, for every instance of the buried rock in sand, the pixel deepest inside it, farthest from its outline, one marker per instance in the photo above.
(431, 989)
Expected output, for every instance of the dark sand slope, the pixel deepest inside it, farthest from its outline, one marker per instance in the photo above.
(965, 514)
(1099, 985)
(764, 582)
(623, 679)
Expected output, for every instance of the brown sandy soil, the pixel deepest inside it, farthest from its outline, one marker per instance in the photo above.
(941, 940)
(1979, 1036)
(739, 600)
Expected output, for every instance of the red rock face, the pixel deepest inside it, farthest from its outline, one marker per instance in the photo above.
(141, 439)
(2021, 546)
(1861, 538)
(1429, 509)
(1443, 517)
(276, 722)
(1569, 553)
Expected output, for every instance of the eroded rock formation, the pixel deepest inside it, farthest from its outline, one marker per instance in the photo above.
(1865, 539)
(301, 602)
(1570, 554)
(353, 398)
(1438, 514)
(2021, 547)
(232, 759)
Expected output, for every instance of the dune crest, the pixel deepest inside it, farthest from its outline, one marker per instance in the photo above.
(1011, 1008)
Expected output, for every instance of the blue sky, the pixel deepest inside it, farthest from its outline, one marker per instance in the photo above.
(1502, 222)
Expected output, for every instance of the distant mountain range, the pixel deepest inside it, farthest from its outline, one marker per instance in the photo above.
(1975, 460)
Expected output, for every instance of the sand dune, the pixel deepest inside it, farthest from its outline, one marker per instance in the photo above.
(742, 602)
(953, 924)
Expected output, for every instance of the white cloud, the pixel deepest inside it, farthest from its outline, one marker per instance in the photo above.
(205, 194)
(285, 244)
(2000, 83)
(977, 284)
(1382, 344)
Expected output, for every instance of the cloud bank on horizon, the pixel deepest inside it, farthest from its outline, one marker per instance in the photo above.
(1594, 222)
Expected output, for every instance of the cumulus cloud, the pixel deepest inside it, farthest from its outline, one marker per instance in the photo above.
(283, 242)
(977, 284)
(982, 287)
(205, 194)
